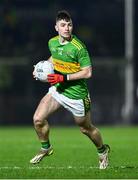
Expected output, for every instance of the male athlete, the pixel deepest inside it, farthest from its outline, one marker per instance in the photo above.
(72, 67)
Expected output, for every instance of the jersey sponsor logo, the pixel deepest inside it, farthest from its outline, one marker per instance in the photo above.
(66, 67)
(60, 51)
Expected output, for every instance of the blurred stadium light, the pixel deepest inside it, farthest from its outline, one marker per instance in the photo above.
(128, 109)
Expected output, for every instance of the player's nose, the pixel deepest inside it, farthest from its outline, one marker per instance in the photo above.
(67, 28)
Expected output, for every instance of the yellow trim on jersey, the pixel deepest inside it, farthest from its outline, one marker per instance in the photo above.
(65, 67)
(77, 44)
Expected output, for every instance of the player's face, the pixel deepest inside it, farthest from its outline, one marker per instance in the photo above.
(64, 28)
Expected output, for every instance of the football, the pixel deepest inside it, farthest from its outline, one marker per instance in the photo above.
(42, 69)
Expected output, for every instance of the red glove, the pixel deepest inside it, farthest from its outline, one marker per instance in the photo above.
(56, 78)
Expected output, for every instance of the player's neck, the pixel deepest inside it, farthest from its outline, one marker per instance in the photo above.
(63, 40)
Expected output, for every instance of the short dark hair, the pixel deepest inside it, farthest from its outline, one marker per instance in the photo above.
(63, 15)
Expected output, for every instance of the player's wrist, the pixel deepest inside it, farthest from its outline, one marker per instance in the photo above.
(66, 77)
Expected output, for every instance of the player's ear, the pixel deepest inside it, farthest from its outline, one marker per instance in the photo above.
(56, 28)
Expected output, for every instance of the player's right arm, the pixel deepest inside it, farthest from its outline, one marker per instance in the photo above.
(50, 59)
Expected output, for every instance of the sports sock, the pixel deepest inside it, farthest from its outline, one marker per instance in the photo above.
(46, 144)
(101, 149)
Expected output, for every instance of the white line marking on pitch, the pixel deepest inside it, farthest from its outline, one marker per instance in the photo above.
(35, 167)
(47, 167)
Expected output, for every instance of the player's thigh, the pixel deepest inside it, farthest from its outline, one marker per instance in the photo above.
(83, 121)
(47, 106)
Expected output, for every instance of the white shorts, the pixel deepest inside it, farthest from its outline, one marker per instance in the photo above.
(77, 107)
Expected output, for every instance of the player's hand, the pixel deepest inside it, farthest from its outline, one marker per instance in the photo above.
(33, 73)
(56, 78)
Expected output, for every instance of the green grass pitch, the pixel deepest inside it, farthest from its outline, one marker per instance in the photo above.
(74, 155)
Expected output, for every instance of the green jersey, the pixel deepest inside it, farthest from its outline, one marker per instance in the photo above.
(70, 58)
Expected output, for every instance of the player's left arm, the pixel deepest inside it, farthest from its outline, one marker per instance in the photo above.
(84, 73)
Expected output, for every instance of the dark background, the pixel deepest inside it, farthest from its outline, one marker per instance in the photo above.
(25, 28)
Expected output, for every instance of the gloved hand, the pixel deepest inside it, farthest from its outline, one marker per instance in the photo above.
(56, 78)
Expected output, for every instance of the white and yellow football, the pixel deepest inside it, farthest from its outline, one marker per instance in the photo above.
(42, 69)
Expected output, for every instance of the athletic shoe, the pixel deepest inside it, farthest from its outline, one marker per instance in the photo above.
(103, 158)
(41, 154)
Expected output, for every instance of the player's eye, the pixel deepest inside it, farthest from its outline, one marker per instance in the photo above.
(62, 25)
(70, 25)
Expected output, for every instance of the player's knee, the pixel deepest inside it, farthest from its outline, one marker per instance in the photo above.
(38, 122)
(84, 130)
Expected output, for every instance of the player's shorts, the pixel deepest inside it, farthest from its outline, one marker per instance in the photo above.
(78, 107)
